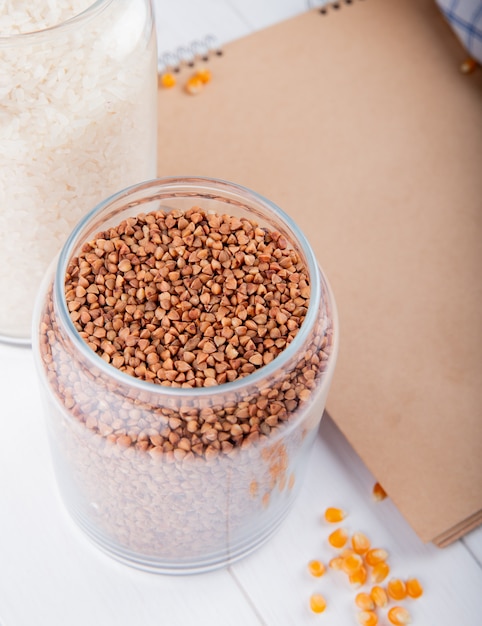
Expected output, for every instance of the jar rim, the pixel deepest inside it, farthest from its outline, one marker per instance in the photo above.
(30, 37)
(217, 185)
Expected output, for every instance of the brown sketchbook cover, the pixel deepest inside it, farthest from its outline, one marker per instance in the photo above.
(359, 124)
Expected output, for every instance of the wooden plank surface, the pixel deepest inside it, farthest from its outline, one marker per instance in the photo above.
(50, 575)
(281, 587)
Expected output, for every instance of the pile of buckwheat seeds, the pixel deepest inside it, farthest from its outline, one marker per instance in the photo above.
(187, 299)
(191, 300)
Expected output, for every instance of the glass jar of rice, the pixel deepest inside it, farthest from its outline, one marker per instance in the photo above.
(78, 87)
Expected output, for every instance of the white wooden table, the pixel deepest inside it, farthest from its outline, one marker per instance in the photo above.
(51, 575)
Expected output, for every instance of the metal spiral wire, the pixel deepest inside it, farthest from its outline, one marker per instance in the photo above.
(188, 55)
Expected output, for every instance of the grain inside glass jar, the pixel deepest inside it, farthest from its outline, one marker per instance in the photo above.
(196, 305)
(188, 299)
(78, 119)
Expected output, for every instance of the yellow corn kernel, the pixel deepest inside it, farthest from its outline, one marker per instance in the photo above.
(378, 492)
(194, 85)
(316, 568)
(379, 572)
(367, 618)
(399, 616)
(414, 588)
(379, 596)
(364, 601)
(338, 538)
(336, 563)
(360, 543)
(351, 563)
(359, 577)
(375, 556)
(396, 589)
(468, 66)
(334, 515)
(204, 75)
(168, 80)
(317, 603)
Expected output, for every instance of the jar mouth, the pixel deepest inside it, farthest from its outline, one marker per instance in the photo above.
(212, 188)
(30, 36)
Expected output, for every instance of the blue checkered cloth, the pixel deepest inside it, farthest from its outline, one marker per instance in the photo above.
(465, 18)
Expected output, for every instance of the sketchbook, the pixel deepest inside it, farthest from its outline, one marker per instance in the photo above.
(356, 120)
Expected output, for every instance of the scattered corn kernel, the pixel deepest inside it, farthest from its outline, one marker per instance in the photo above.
(360, 543)
(334, 515)
(204, 75)
(317, 603)
(379, 596)
(399, 616)
(379, 572)
(396, 589)
(338, 538)
(351, 563)
(359, 577)
(336, 563)
(414, 588)
(194, 85)
(168, 80)
(468, 66)
(378, 492)
(364, 601)
(316, 568)
(375, 556)
(367, 618)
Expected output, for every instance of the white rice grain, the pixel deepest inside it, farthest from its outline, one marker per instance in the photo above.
(77, 123)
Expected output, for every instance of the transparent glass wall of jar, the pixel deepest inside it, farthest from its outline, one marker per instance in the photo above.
(139, 465)
(78, 88)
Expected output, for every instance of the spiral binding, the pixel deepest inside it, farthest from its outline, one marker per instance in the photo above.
(326, 5)
(203, 49)
(190, 55)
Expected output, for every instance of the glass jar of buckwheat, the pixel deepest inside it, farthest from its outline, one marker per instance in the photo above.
(185, 343)
(78, 111)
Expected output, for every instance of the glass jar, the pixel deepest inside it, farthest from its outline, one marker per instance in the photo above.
(78, 110)
(173, 477)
